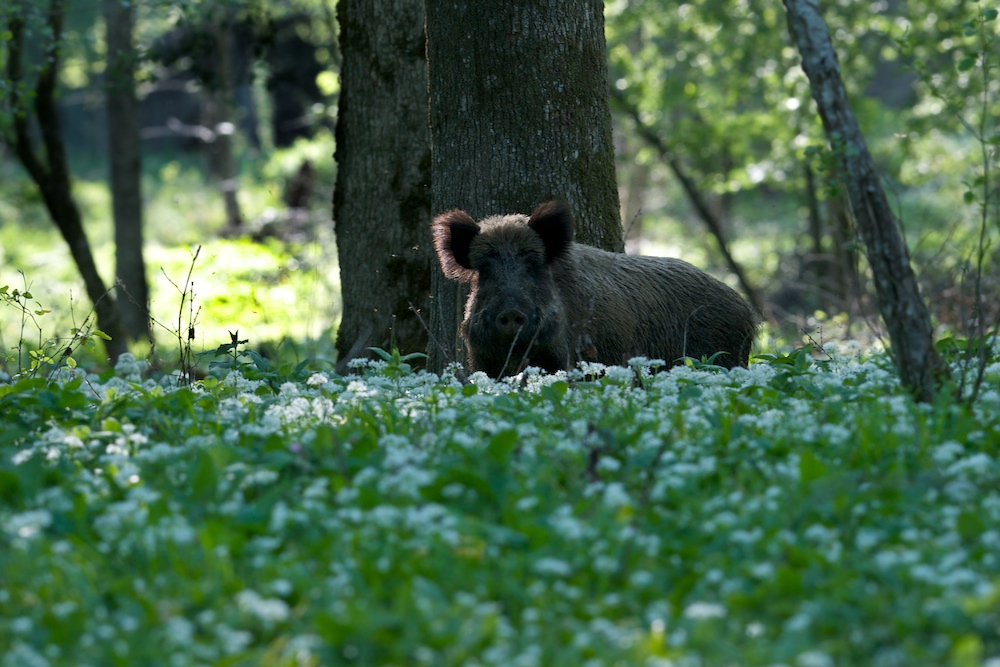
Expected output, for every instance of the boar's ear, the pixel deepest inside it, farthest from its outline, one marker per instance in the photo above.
(453, 234)
(553, 221)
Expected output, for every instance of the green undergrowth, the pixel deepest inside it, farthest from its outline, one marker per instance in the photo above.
(804, 511)
(287, 294)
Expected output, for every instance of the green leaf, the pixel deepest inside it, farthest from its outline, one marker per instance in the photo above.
(202, 475)
(967, 651)
(555, 391)
(810, 467)
(501, 445)
(788, 581)
(970, 526)
(10, 487)
(260, 362)
(325, 439)
(990, 14)
(966, 63)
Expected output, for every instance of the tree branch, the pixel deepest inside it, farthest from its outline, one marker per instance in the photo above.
(650, 136)
(21, 141)
(45, 105)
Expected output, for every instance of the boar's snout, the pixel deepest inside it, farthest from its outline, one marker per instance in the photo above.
(510, 321)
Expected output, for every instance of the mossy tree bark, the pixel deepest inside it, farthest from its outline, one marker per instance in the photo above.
(519, 115)
(381, 203)
(903, 309)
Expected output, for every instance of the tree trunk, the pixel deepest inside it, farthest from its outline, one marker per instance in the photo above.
(519, 115)
(381, 202)
(846, 280)
(52, 177)
(219, 114)
(903, 309)
(126, 169)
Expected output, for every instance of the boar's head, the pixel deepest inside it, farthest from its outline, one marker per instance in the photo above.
(514, 316)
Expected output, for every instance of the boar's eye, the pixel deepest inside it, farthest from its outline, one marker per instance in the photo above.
(534, 263)
(487, 266)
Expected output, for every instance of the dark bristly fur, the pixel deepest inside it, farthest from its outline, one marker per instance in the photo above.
(540, 299)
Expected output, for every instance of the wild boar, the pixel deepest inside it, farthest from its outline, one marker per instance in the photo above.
(540, 299)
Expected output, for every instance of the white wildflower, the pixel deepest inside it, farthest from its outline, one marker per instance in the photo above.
(615, 496)
(242, 385)
(232, 641)
(703, 610)
(608, 464)
(524, 504)
(640, 579)
(867, 538)
(746, 536)
(552, 566)
(819, 533)
(947, 452)
(814, 659)
(130, 368)
(282, 587)
(28, 524)
(24, 655)
(179, 631)
(798, 622)
(22, 625)
(268, 610)
(977, 464)
(317, 380)
(620, 374)
(565, 524)
(259, 478)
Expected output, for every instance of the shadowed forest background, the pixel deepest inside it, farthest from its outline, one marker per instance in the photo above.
(720, 159)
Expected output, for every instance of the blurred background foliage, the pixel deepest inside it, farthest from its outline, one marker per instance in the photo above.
(715, 82)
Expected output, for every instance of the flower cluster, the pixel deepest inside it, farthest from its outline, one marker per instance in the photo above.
(805, 511)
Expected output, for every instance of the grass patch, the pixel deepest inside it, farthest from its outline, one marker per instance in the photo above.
(287, 293)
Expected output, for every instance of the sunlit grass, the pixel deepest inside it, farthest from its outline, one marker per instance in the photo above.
(273, 293)
(259, 289)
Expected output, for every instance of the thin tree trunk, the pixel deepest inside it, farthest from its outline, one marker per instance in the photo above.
(52, 176)
(381, 203)
(845, 260)
(903, 309)
(220, 115)
(815, 222)
(519, 115)
(126, 169)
